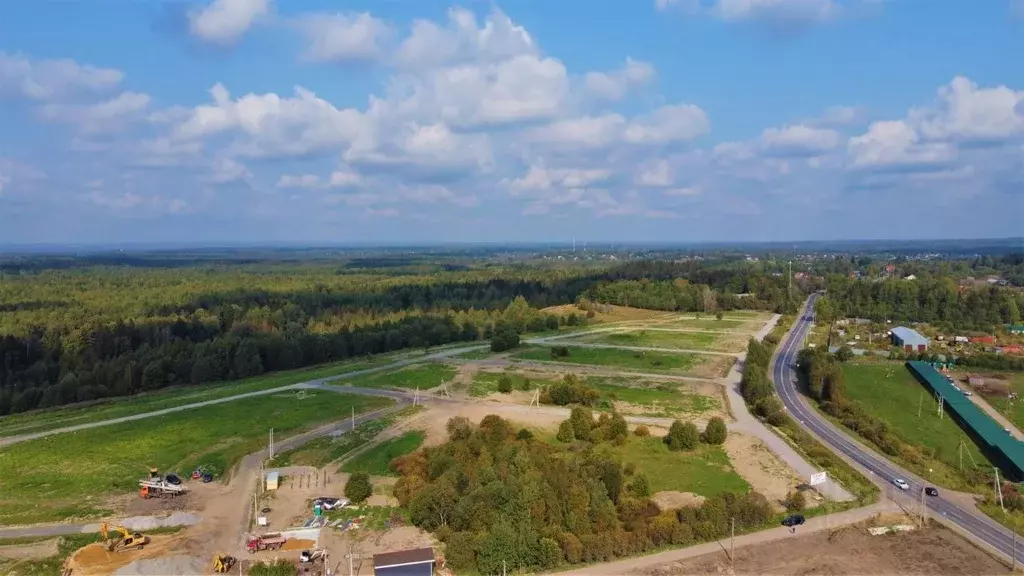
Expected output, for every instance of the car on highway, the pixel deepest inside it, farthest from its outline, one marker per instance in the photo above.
(793, 520)
(901, 483)
(931, 491)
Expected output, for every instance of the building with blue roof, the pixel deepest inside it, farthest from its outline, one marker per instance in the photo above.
(909, 339)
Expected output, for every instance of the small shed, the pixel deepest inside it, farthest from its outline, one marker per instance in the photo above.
(418, 562)
(909, 339)
(272, 479)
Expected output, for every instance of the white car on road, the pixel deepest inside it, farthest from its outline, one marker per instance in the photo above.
(901, 484)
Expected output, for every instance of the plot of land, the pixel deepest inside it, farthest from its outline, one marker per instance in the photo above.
(608, 313)
(629, 360)
(679, 340)
(996, 389)
(376, 461)
(705, 471)
(849, 551)
(423, 376)
(666, 399)
(71, 475)
(323, 451)
(742, 325)
(486, 383)
(890, 393)
(39, 421)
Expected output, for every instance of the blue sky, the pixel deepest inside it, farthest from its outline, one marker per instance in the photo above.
(665, 120)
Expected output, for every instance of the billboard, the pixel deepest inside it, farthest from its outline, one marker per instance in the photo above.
(818, 478)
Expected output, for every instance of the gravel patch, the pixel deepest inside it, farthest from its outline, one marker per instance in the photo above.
(166, 566)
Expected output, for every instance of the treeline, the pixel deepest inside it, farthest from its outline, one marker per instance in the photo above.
(760, 293)
(757, 389)
(501, 500)
(933, 300)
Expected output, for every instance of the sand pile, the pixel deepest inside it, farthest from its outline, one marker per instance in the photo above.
(166, 566)
(298, 544)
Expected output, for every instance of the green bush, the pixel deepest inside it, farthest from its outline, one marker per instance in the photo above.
(715, 432)
(550, 553)
(505, 384)
(358, 488)
(642, 431)
(795, 501)
(565, 433)
(280, 567)
(682, 436)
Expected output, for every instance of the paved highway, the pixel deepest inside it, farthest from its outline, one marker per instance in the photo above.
(975, 523)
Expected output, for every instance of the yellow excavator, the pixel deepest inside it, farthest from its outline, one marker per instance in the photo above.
(222, 564)
(127, 540)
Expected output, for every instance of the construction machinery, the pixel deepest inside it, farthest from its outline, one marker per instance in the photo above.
(127, 540)
(159, 489)
(265, 542)
(307, 556)
(222, 564)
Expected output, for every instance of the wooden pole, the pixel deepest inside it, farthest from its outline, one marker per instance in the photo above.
(732, 542)
(920, 401)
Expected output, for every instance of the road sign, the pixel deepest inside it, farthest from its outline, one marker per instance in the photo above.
(818, 478)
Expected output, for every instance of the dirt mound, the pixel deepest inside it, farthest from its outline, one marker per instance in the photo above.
(166, 566)
(671, 500)
(298, 544)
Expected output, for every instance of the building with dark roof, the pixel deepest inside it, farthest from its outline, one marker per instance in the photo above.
(418, 562)
(908, 339)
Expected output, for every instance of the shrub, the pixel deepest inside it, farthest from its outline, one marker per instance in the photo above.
(682, 534)
(550, 552)
(505, 338)
(639, 487)
(795, 501)
(582, 421)
(459, 552)
(505, 384)
(642, 431)
(682, 436)
(358, 488)
(459, 428)
(629, 468)
(565, 433)
(524, 384)
(572, 548)
(715, 432)
(559, 351)
(718, 316)
(280, 567)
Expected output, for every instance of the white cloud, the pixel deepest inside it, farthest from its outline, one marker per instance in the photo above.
(657, 173)
(463, 40)
(665, 125)
(799, 139)
(337, 179)
(668, 124)
(106, 116)
(225, 21)
(781, 11)
(584, 132)
(538, 178)
(839, 116)
(226, 170)
(49, 79)
(895, 143)
(614, 85)
(340, 37)
(965, 111)
(424, 149)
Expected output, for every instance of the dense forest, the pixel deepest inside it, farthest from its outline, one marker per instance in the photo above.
(503, 501)
(934, 300)
(72, 334)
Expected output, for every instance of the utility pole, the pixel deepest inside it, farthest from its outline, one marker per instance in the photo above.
(920, 401)
(732, 542)
(998, 489)
(922, 507)
(1013, 556)
(271, 442)
(353, 417)
(789, 286)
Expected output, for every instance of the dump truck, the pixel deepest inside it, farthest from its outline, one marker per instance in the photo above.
(159, 489)
(127, 540)
(265, 542)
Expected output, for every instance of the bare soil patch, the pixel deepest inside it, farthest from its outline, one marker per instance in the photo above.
(610, 313)
(671, 499)
(848, 551)
(43, 549)
(761, 468)
(94, 559)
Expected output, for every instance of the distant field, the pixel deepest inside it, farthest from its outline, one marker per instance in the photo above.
(69, 476)
(422, 376)
(725, 324)
(705, 471)
(39, 421)
(1003, 382)
(681, 340)
(894, 400)
(377, 460)
(475, 354)
(657, 399)
(615, 314)
(628, 360)
(322, 451)
(486, 383)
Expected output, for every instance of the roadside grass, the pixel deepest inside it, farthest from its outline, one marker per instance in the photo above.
(475, 354)
(42, 420)
(655, 399)
(679, 340)
(705, 471)
(70, 475)
(377, 460)
(894, 400)
(422, 376)
(725, 324)
(627, 360)
(323, 451)
(373, 517)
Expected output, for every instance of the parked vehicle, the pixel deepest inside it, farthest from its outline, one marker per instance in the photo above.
(931, 491)
(326, 503)
(173, 479)
(265, 542)
(793, 520)
(901, 483)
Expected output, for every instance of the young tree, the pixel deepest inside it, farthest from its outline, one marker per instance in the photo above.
(565, 433)
(505, 384)
(682, 436)
(719, 316)
(639, 486)
(582, 420)
(715, 432)
(795, 501)
(642, 431)
(358, 488)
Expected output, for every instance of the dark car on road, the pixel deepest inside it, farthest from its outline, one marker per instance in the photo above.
(793, 520)
(931, 491)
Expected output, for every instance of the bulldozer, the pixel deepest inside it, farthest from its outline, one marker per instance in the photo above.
(127, 540)
(222, 564)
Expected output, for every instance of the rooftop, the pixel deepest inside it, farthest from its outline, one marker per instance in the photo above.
(403, 558)
(909, 335)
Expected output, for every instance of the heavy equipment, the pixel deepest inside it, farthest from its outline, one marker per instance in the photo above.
(159, 489)
(127, 540)
(222, 564)
(265, 542)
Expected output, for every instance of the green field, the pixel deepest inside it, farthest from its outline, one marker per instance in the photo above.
(422, 376)
(628, 360)
(38, 421)
(1012, 409)
(894, 400)
(680, 340)
(322, 451)
(69, 475)
(475, 354)
(486, 383)
(656, 399)
(726, 324)
(376, 461)
(705, 471)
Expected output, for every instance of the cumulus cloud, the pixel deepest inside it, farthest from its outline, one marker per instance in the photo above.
(48, 79)
(800, 139)
(106, 116)
(337, 179)
(225, 21)
(462, 40)
(540, 178)
(777, 11)
(340, 37)
(614, 85)
(965, 111)
(895, 143)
